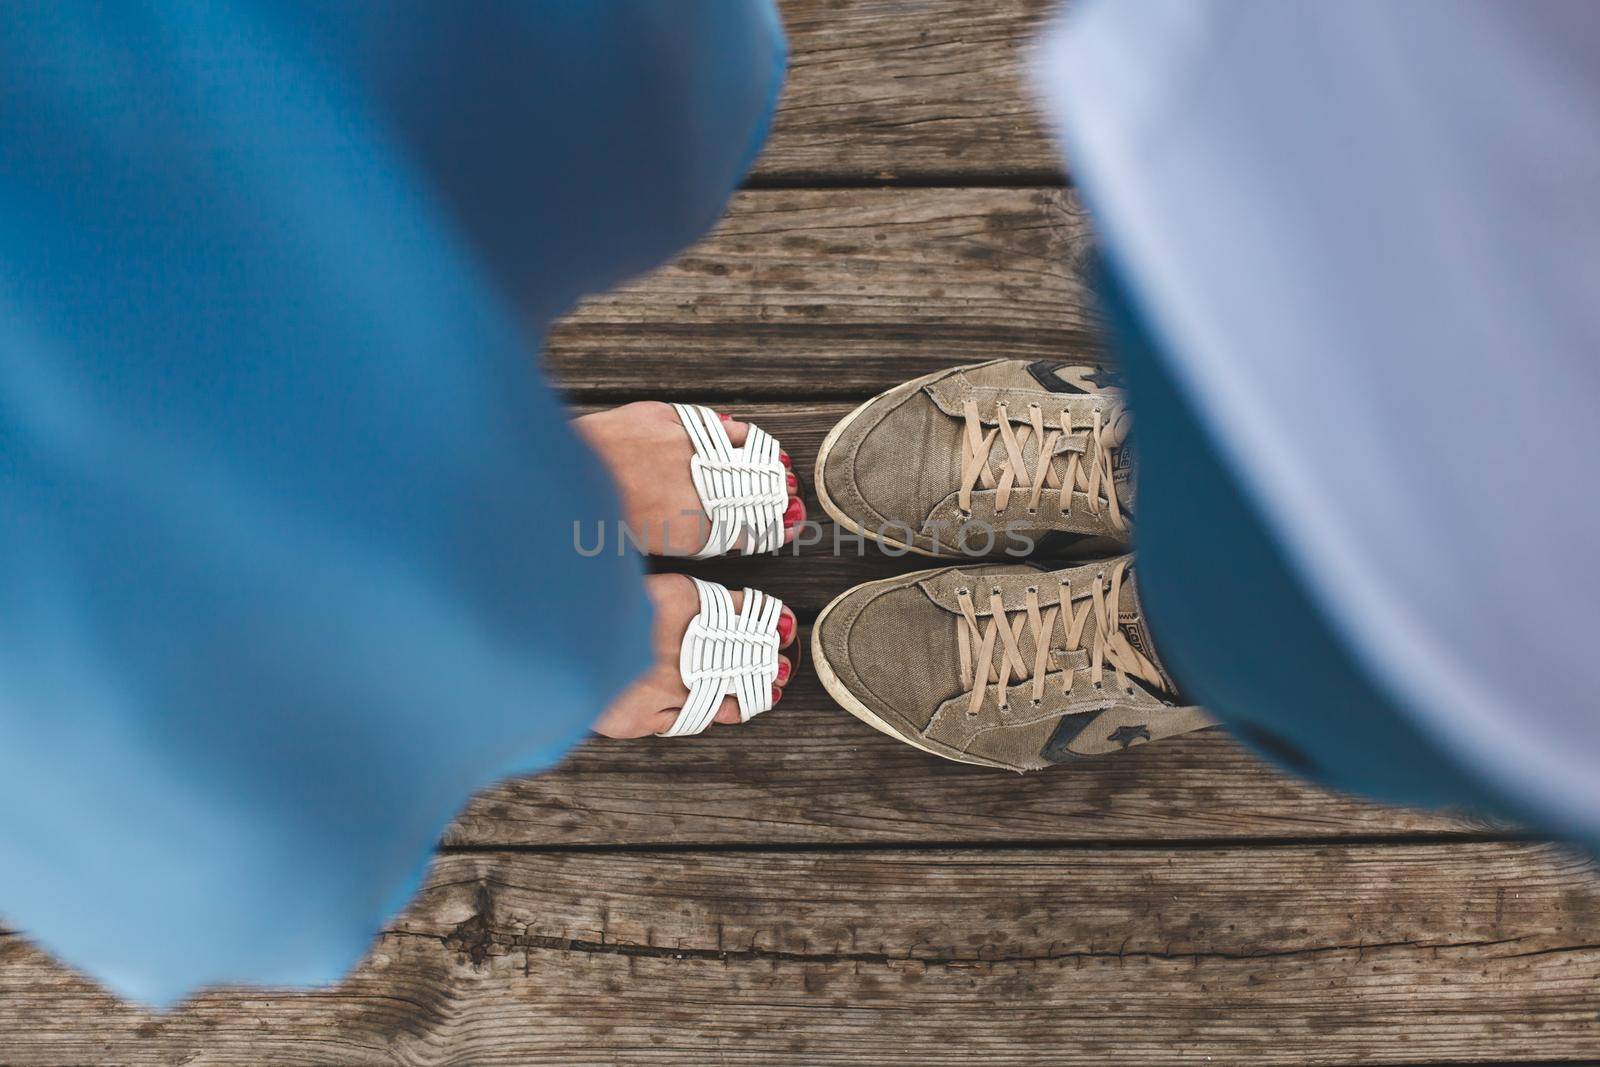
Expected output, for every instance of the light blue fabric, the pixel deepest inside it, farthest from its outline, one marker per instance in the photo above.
(286, 564)
(1278, 675)
(1363, 238)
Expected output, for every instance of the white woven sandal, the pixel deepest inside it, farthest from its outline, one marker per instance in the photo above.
(724, 652)
(743, 490)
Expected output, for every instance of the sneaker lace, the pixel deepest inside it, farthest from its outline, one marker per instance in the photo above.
(1094, 477)
(991, 649)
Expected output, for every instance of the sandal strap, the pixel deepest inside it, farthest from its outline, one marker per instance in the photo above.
(743, 489)
(726, 651)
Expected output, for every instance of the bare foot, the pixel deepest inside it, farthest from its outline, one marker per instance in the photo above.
(651, 704)
(647, 451)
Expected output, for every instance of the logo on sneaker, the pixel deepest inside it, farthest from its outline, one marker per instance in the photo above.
(1134, 629)
(1071, 378)
(1127, 735)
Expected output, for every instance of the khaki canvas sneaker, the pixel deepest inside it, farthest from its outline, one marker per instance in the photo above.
(950, 464)
(1002, 664)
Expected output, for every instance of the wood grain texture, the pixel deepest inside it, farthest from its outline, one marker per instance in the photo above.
(883, 90)
(801, 294)
(1341, 954)
(809, 773)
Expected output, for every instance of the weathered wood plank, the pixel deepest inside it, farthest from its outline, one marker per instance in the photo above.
(841, 292)
(1398, 954)
(909, 89)
(809, 773)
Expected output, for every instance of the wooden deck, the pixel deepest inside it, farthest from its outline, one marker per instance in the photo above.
(805, 891)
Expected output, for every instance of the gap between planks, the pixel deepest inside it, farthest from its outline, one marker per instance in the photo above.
(1132, 844)
(841, 293)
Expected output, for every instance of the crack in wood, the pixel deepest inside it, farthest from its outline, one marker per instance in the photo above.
(478, 941)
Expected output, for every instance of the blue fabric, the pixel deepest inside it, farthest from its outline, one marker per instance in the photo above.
(286, 564)
(1234, 622)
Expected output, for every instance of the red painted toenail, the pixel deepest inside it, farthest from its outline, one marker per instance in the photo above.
(783, 670)
(785, 627)
(794, 512)
(724, 416)
(777, 694)
(783, 457)
(793, 483)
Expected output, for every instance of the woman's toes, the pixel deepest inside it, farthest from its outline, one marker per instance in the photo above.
(793, 517)
(785, 669)
(795, 514)
(787, 625)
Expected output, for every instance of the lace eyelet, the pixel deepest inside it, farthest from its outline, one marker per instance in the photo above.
(962, 591)
(1036, 703)
(996, 589)
(1097, 685)
(1130, 690)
